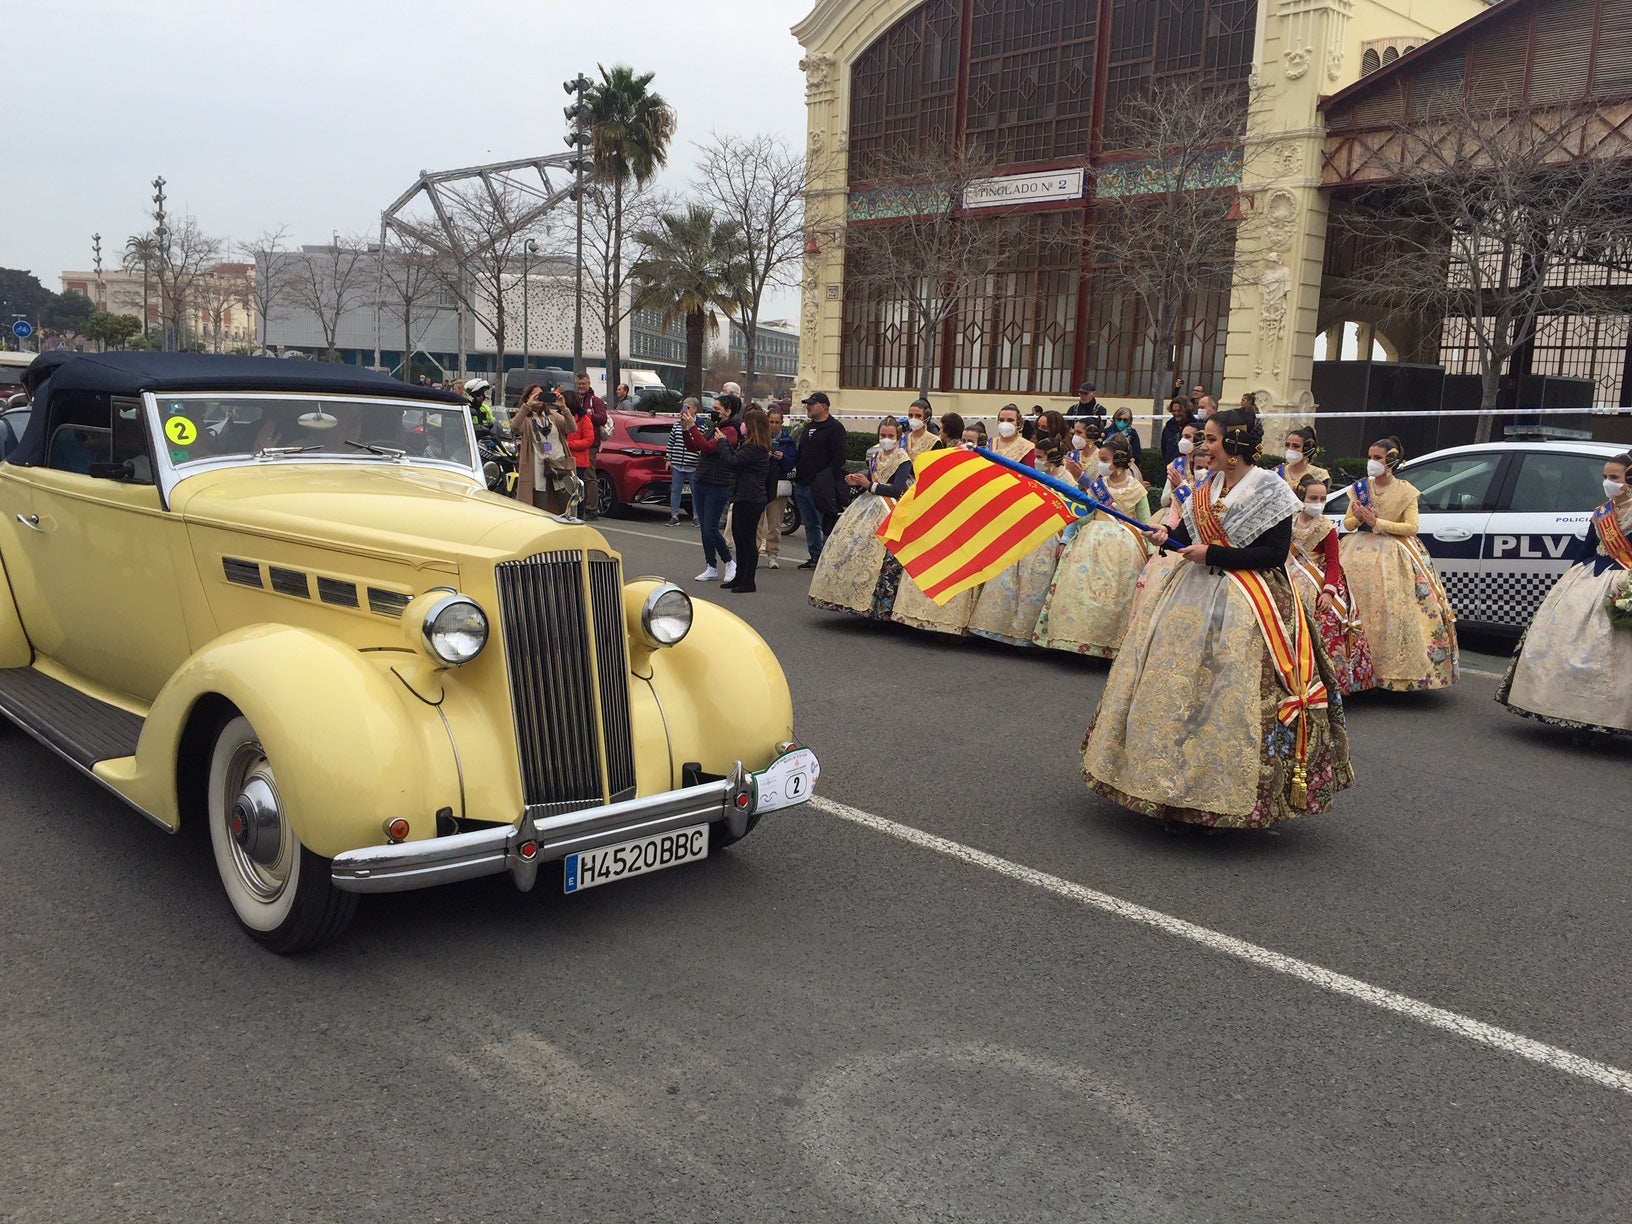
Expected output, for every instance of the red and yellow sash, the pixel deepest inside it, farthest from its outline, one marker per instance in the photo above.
(1610, 535)
(1292, 653)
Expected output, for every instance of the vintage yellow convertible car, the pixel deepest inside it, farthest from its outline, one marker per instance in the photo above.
(275, 597)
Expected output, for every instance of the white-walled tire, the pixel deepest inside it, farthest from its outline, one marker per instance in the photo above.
(280, 891)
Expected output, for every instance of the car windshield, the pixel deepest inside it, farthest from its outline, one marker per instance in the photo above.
(209, 428)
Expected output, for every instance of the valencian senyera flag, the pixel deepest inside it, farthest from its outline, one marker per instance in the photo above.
(966, 519)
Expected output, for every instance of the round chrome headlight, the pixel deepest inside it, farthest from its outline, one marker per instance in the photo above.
(665, 618)
(455, 629)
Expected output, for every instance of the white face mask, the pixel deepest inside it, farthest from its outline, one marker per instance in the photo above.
(1313, 509)
(1614, 488)
(915, 423)
(1186, 446)
(1007, 429)
(1079, 442)
(886, 444)
(1375, 468)
(1294, 457)
(1201, 414)
(1104, 468)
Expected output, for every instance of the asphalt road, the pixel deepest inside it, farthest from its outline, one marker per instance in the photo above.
(833, 1022)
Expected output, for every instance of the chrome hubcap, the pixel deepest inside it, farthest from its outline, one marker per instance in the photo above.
(263, 845)
(255, 821)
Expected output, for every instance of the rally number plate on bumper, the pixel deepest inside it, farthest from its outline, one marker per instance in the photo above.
(592, 868)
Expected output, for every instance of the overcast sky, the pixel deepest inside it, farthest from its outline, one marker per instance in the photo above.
(319, 113)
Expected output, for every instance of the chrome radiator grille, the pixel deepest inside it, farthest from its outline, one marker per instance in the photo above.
(562, 619)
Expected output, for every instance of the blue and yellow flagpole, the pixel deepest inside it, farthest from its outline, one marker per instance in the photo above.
(1064, 488)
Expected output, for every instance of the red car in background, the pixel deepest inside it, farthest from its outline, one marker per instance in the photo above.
(634, 468)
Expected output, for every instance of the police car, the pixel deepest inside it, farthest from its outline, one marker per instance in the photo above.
(1500, 519)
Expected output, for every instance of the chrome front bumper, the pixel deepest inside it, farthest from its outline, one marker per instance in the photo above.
(519, 849)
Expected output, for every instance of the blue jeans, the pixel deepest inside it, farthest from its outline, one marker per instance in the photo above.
(804, 496)
(708, 503)
(677, 485)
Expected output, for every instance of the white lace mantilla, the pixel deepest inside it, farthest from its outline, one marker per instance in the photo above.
(1262, 500)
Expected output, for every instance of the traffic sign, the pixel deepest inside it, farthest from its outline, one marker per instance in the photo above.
(21, 329)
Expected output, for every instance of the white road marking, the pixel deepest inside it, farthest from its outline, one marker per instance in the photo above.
(1387, 1000)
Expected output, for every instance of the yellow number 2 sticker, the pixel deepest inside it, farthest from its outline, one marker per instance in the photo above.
(181, 431)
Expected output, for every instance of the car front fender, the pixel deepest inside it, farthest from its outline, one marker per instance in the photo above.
(350, 745)
(723, 694)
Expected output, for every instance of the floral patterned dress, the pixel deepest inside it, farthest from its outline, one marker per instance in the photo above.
(1341, 631)
(1091, 595)
(1198, 723)
(856, 573)
(1409, 622)
(1573, 667)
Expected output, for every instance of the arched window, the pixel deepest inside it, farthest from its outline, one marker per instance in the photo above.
(1390, 54)
(1370, 62)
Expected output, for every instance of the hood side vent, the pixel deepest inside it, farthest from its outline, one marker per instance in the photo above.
(244, 573)
(334, 591)
(388, 603)
(290, 582)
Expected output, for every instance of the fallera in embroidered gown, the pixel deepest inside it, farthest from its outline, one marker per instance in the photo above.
(1198, 722)
(1092, 592)
(1573, 667)
(1410, 626)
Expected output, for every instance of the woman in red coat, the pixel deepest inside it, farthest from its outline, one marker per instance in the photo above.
(579, 443)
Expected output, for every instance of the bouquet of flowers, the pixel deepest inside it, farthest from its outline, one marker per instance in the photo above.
(1619, 604)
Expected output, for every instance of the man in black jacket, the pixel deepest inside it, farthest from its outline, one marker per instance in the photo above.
(818, 473)
(1087, 407)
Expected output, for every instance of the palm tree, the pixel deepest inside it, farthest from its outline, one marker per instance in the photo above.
(629, 128)
(690, 269)
(141, 250)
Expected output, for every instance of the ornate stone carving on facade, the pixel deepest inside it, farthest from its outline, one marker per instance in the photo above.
(811, 293)
(1274, 296)
(818, 70)
(1305, 42)
(1280, 219)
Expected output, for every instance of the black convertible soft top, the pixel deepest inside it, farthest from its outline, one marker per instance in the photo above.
(133, 373)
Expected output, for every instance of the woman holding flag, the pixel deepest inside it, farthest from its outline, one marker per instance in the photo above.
(1409, 621)
(912, 606)
(1574, 667)
(1221, 709)
(1089, 599)
(1009, 604)
(1316, 568)
(855, 572)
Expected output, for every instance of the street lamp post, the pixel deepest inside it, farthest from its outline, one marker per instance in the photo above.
(161, 237)
(527, 249)
(578, 115)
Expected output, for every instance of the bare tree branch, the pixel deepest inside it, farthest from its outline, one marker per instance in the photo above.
(413, 285)
(330, 280)
(608, 295)
(271, 282)
(485, 223)
(1165, 224)
(1490, 213)
(759, 183)
(183, 253)
(919, 258)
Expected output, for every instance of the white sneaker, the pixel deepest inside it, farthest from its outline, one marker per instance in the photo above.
(770, 563)
(730, 574)
(708, 575)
